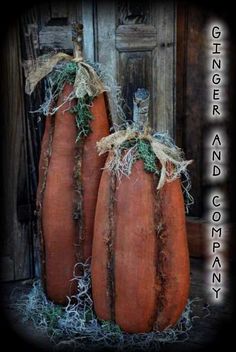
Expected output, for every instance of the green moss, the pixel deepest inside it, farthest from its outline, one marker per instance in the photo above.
(63, 74)
(52, 314)
(128, 144)
(144, 152)
(66, 73)
(110, 327)
(147, 155)
(88, 316)
(83, 117)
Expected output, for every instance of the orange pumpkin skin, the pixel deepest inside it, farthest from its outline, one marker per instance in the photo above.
(91, 172)
(143, 250)
(174, 255)
(61, 233)
(58, 226)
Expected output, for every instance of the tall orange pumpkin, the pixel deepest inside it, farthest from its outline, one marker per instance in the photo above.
(140, 261)
(69, 176)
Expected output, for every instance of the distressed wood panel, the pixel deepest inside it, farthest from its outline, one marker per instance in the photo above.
(181, 61)
(17, 244)
(199, 232)
(34, 126)
(135, 37)
(163, 68)
(61, 13)
(147, 28)
(134, 68)
(55, 29)
(58, 9)
(133, 12)
(105, 27)
(56, 37)
(194, 102)
(87, 15)
(104, 43)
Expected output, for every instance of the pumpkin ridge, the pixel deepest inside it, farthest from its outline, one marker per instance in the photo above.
(162, 257)
(155, 259)
(78, 201)
(47, 157)
(173, 270)
(46, 162)
(110, 247)
(160, 278)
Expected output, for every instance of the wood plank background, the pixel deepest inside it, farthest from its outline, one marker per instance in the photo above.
(17, 241)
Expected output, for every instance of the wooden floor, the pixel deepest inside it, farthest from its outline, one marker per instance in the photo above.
(207, 324)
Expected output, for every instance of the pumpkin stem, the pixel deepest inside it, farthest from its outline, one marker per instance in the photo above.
(141, 107)
(77, 38)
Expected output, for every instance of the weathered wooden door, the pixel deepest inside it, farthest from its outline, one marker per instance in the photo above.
(136, 43)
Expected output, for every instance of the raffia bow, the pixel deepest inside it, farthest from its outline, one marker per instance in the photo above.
(86, 80)
(164, 153)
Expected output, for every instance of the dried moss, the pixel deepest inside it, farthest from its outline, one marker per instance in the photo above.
(77, 328)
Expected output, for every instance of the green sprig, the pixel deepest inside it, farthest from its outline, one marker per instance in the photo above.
(83, 117)
(147, 155)
(144, 152)
(62, 75)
